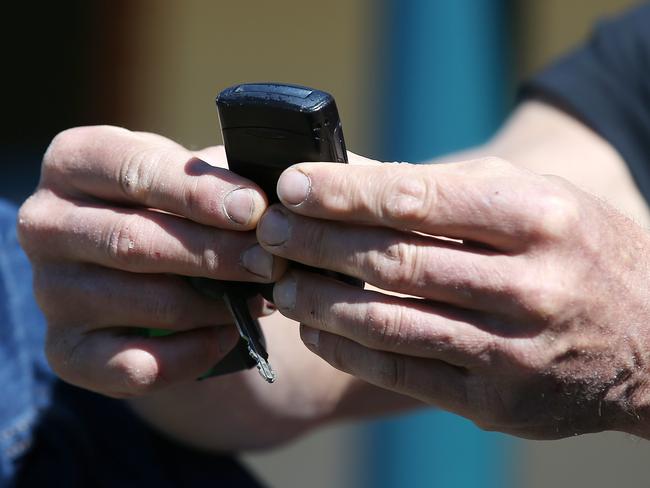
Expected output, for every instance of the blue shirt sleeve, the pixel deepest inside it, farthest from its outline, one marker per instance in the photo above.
(24, 375)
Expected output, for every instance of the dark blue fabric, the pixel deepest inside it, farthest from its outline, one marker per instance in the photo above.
(606, 84)
(54, 434)
(24, 380)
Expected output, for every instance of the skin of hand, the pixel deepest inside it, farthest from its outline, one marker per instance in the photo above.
(117, 218)
(523, 299)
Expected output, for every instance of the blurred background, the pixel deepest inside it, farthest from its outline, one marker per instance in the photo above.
(413, 79)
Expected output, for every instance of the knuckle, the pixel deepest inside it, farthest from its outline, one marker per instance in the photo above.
(525, 355)
(537, 291)
(128, 241)
(210, 259)
(557, 216)
(393, 372)
(39, 224)
(337, 351)
(61, 148)
(542, 299)
(68, 145)
(488, 352)
(407, 196)
(137, 173)
(399, 264)
(206, 197)
(137, 374)
(68, 149)
(383, 325)
(193, 196)
(317, 241)
(31, 216)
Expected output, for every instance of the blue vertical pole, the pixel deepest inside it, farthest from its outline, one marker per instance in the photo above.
(445, 70)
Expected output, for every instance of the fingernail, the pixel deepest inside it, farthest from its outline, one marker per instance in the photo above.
(284, 293)
(273, 228)
(293, 187)
(310, 337)
(257, 261)
(239, 205)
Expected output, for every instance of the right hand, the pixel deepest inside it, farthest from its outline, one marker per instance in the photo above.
(116, 218)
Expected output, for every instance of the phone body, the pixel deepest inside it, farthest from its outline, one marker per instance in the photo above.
(266, 128)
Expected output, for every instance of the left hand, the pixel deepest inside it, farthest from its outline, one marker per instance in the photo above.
(532, 311)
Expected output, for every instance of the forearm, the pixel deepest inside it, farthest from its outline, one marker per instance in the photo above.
(240, 411)
(546, 140)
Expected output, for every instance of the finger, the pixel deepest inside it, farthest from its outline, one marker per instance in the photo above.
(105, 297)
(213, 155)
(142, 241)
(122, 365)
(361, 160)
(408, 263)
(487, 201)
(120, 166)
(383, 322)
(434, 382)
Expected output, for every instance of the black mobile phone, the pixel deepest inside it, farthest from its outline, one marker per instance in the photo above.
(266, 128)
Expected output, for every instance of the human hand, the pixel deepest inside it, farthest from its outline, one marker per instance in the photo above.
(531, 311)
(117, 217)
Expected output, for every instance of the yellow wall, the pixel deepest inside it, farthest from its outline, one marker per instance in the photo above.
(186, 52)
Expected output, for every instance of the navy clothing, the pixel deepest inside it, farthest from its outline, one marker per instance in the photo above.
(54, 434)
(606, 84)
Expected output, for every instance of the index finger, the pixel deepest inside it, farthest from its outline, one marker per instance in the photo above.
(114, 164)
(487, 201)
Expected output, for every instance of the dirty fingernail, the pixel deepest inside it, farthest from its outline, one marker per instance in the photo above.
(284, 293)
(258, 261)
(273, 228)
